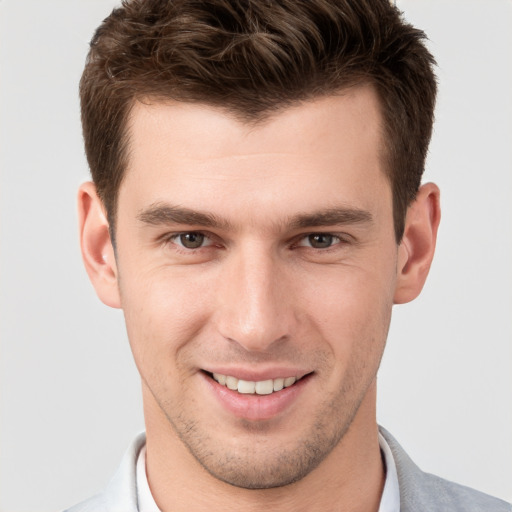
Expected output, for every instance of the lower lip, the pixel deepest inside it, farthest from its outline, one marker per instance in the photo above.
(256, 407)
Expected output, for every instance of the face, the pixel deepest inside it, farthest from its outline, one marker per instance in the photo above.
(257, 267)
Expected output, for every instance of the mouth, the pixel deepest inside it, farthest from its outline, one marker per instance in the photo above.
(268, 396)
(249, 387)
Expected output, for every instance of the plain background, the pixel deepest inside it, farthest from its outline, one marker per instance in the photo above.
(69, 392)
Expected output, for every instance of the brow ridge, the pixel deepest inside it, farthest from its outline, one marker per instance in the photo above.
(163, 213)
(331, 217)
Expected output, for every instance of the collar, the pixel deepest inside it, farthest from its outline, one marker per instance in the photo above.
(390, 500)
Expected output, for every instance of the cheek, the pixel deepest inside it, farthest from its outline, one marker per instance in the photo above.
(351, 308)
(163, 312)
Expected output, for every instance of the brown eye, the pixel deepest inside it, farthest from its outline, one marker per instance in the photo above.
(321, 240)
(190, 240)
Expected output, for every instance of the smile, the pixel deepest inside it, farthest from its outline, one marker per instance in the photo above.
(247, 387)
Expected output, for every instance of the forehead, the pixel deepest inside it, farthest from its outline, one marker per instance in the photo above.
(324, 151)
(339, 116)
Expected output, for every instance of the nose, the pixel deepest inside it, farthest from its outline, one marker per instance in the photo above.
(254, 308)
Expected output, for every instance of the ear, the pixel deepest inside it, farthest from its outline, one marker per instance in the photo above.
(418, 244)
(97, 251)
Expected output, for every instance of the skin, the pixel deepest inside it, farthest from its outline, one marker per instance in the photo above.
(259, 295)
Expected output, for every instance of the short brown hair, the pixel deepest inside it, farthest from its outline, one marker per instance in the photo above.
(251, 57)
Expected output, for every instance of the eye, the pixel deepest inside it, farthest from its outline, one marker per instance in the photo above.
(319, 240)
(191, 240)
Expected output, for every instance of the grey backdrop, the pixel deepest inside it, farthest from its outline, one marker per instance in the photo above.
(69, 392)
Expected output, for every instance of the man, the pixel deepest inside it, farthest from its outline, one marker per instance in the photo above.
(256, 211)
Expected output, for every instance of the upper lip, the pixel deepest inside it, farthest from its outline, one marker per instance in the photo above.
(254, 375)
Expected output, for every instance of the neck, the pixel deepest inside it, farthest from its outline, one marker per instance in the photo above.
(350, 478)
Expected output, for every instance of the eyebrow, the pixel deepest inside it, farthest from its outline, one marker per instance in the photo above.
(163, 213)
(332, 216)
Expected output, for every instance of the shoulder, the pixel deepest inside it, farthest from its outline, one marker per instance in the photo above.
(460, 498)
(120, 495)
(423, 491)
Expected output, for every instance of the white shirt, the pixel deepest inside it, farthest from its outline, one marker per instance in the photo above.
(390, 499)
(389, 502)
(145, 500)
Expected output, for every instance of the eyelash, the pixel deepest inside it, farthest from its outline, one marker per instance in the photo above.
(172, 238)
(339, 239)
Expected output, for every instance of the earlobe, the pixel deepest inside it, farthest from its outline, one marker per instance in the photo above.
(417, 247)
(97, 251)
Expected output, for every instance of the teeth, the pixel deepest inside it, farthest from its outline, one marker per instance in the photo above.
(232, 383)
(221, 379)
(247, 387)
(289, 381)
(278, 384)
(264, 387)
